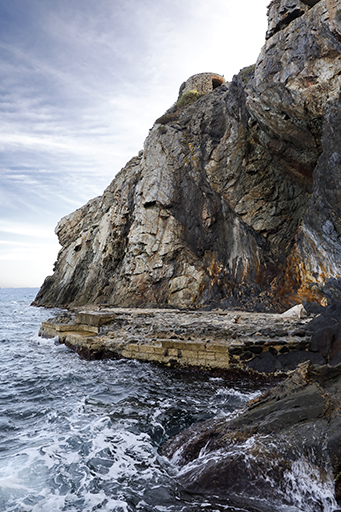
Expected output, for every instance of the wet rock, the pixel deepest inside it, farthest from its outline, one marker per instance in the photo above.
(265, 363)
(322, 341)
(256, 453)
(291, 360)
(335, 351)
(326, 334)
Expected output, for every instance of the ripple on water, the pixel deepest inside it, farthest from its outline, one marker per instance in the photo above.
(83, 436)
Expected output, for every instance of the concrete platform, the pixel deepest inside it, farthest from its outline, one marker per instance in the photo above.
(208, 340)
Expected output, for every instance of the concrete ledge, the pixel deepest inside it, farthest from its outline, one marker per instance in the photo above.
(208, 340)
(49, 329)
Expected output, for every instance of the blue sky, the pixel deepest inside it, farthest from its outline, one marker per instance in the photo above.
(81, 83)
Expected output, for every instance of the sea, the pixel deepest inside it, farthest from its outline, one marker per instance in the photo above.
(85, 436)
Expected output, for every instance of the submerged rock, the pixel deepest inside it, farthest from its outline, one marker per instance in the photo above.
(235, 199)
(290, 432)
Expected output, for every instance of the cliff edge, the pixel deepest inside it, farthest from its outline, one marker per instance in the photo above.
(235, 199)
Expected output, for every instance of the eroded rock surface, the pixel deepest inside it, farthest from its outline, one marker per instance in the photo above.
(234, 199)
(266, 449)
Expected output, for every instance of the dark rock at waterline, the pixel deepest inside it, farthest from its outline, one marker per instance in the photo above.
(291, 430)
(326, 334)
(268, 362)
(321, 344)
(291, 360)
(265, 363)
(328, 317)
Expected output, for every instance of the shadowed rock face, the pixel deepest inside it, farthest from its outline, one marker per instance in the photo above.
(234, 199)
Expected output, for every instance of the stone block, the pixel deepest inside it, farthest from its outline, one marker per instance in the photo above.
(146, 349)
(222, 357)
(183, 345)
(94, 318)
(47, 330)
(148, 357)
(217, 347)
(190, 354)
(80, 337)
(89, 328)
(210, 357)
(224, 365)
(173, 352)
(202, 361)
(159, 351)
(133, 347)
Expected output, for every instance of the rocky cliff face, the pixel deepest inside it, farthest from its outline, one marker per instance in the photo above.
(235, 199)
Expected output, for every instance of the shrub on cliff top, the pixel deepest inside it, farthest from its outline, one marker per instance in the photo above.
(168, 117)
(247, 73)
(188, 98)
(185, 100)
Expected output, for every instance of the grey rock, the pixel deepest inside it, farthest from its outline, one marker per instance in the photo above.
(235, 199)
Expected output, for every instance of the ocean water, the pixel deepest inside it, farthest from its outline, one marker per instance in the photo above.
(84, 436)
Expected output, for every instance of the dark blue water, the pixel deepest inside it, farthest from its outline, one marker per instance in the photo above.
(84, 436)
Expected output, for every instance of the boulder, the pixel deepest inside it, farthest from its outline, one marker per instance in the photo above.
(295, 312)
(326, 334)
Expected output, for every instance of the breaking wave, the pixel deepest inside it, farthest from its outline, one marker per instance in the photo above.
(84, 436)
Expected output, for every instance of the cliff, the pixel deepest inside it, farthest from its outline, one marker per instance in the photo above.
(235, 198)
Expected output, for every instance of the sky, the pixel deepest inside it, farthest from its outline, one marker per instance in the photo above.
(81, 84)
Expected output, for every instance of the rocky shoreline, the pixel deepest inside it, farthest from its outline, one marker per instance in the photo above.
(233, 205)
(210, 340)
(294, 426)
(261, 452)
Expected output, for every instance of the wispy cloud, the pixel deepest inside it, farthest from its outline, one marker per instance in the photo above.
(82, 82)
(27, 230)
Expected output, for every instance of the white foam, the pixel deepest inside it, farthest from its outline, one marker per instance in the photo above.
(310, 487)
(101, 501)
(242, 395)
(306, 487)
(11, 482)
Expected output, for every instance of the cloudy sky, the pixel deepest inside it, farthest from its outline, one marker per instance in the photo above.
(81, 83)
